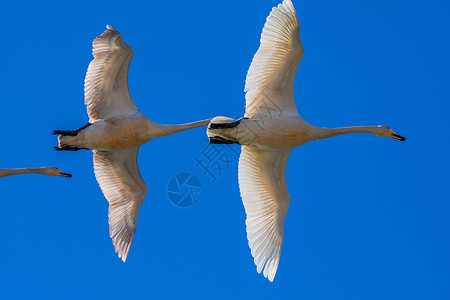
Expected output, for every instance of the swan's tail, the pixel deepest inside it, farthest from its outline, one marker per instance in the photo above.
(223, 130)
(66, 137)
(66, 142)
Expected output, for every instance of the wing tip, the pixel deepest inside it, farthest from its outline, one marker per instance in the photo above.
(109, 31)
(123, 257)
(268, 267)
(288, 3)
(110, 28)
(122, 250)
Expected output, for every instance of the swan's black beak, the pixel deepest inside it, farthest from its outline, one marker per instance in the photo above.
(396, 136)
(66, 175)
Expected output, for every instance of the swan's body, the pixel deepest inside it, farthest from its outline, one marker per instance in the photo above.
(115, 131)
(123, 132)
(270, 130)
(49, 171)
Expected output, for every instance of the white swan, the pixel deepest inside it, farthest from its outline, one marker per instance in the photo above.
(115, 131)
(49, 171)
(271, 128)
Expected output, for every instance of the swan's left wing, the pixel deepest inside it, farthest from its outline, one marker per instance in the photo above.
(266, 200)
(106, 84)
(270, 78)
(118, 176)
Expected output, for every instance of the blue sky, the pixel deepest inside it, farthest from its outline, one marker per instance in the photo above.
(369, 217)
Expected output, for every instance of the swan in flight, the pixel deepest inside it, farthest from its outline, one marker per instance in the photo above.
(269, 131)
(115, 131)
(49, 171)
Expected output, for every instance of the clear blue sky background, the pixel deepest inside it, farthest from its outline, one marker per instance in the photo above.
(369, 217)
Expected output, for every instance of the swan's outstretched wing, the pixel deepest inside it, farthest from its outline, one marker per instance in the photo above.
(106, 85)
(118, 176)
(266, 199)
(270, 79)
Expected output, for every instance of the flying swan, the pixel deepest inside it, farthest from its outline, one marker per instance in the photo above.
(115, 131)
(269, 131)
(49, 171)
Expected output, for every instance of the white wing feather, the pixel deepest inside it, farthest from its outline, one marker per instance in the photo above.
(270, 78)
(118, 176)
(106, 85)
(266, 200)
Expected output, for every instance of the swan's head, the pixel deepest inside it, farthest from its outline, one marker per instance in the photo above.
(385, 131)
(52, 171)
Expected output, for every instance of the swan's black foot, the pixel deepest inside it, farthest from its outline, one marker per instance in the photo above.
(69, 148)
(226, 125)
(71, 132)
(65, 132)
(220, 140)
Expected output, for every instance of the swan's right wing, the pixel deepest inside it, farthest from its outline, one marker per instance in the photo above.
(106, 84)
(118, 176)
(266, 200)
(270, 78)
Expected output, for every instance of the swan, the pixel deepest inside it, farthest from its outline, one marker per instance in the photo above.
(269, 130)
(49, 171)
(115, 131)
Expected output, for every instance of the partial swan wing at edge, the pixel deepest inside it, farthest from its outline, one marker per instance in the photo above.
(118, 176)
(266, 200)
(106, 84)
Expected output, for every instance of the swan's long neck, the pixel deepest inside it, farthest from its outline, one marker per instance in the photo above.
(164, 130)
(323, 133)
(8, 172)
